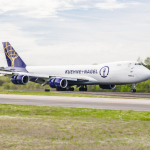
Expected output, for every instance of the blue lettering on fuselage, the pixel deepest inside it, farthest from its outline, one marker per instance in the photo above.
(92, 71)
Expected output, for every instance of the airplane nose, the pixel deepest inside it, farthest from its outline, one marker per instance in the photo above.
(143, 74)
(146, 74)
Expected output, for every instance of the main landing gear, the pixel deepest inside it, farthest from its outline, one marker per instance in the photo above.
(65, 89)
(70, 89)
(134, 89)
(83, 88)
(60, 89)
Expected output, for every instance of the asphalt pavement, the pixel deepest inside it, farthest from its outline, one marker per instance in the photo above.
(119, 94)
(79, 102)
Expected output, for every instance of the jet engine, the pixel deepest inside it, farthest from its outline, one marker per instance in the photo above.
(61, 83)
(58, 83)
(52, 82)
(107, 86)
(20, 79)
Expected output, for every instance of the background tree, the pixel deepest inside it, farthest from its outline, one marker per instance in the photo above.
(147, 62)
(139, 60)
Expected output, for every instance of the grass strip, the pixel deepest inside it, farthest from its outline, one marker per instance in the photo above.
(59, 128)
(42, 93)
(46, 111)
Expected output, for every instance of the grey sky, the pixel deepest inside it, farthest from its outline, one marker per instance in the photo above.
(66, 32)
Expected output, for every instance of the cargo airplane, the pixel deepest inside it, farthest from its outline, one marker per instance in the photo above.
(63, 78)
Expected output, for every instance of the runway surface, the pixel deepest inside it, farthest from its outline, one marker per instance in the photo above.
(119, 94)
(79, 102)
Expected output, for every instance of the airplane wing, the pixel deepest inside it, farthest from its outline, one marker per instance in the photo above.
(24, 73)
(5, 72)
(74, 78)
(44, 79)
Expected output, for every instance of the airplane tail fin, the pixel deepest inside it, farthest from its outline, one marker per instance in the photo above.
(13, 59)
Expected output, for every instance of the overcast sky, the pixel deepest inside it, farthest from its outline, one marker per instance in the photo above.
(69, 32)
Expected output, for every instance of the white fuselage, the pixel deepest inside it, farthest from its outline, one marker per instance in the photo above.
(126, 72)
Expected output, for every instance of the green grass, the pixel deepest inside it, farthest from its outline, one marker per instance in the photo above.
(42, 93)
(45, 111)
(59, 128)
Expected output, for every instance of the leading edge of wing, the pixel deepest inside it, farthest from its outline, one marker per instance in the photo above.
(24, 73)
(71, 78)
(5, 72)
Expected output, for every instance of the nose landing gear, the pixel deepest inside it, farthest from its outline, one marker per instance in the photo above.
(134, 89)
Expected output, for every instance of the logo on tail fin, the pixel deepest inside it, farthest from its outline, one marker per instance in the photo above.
(12, 57)
(10, 53)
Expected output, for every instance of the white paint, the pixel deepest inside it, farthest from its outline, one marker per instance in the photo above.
(124, 73)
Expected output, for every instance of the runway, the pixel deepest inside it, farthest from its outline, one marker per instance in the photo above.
(79, 102)
(119, 94)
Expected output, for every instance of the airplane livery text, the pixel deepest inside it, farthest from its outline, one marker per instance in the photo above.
(92, 71)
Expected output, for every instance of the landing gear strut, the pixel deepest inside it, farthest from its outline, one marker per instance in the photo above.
(133, 90)
(83, 88)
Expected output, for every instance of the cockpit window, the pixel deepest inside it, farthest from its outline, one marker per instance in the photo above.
(138, 64)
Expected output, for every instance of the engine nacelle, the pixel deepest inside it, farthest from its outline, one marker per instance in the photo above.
(52, 82)
(107, 86)
(61, 83)
(20, 79)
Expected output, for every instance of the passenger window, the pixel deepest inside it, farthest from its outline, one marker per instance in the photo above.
(138, 64)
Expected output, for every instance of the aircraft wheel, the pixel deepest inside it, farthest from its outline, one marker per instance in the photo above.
(133, 86)
(80, 89)
(85, 89)
(60, 89)
(133, 90)
(57, 89)
(47, 90)
(63, 89)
